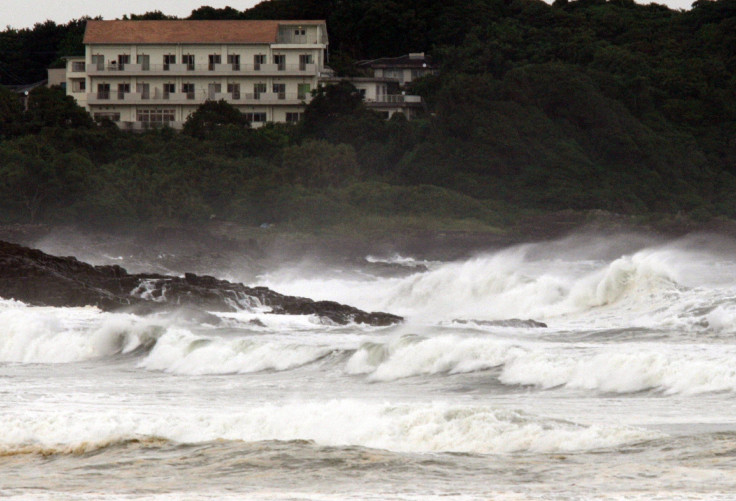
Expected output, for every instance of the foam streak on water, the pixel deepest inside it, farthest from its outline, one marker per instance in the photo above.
(629, 392)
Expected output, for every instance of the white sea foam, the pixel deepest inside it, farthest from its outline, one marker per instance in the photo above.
(399, 427)
(181, 352)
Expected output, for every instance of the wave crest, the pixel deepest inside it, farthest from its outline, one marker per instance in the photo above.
(416, 427)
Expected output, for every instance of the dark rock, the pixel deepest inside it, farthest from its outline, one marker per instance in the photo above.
(37, 278)
(511, 322)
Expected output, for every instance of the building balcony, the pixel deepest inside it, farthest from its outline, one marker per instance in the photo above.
(229, 69)
(158, 97)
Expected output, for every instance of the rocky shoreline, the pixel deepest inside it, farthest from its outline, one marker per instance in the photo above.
(37, 278)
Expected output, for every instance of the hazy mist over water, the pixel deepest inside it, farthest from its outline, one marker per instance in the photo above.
(627, 393)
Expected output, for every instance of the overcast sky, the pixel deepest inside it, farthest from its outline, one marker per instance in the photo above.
(25, 13)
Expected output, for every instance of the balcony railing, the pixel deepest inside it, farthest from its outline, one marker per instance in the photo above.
(290, 38)
(395, 99)
(226, 68)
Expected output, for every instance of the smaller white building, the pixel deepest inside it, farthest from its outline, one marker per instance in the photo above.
(382, 95)
(403, 69)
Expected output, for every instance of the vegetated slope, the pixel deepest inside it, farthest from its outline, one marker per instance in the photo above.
(580, 105)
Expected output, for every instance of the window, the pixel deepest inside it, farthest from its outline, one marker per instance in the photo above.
(304, 60)
(123, 59)
(234, 61)
(258, 60)
(300, 35)
(144, 90)
(107, 115)
(303, 91)
(123, 88)
(169, 88)
(213, 89)
(188, 89)
(293, 117)
(258, 89)
(280, 90)
(280, 61)
(144, 60)
(155, 116)
(362, 93)
(214, 59)
(98, 60)
(78, 66)
(169, 59)
(188, 59)
(255, 117)
(103, 91)
(234, 90)
(79, 84)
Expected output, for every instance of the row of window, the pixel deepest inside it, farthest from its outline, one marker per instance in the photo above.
(98, 60)
(144, 89)
(155, 115)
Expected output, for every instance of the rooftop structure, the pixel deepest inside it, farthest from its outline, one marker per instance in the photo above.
(403, 68)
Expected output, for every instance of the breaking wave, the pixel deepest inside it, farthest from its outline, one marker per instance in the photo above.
(181, 352)
(620, 368)
(63, 335)
(435, 427)
(651, 286)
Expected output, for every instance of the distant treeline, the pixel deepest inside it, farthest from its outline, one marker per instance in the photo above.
(576, 105)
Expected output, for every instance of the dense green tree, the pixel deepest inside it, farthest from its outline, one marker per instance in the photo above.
(11, 114)
(51, 107)
(214, 115)
(319, 164)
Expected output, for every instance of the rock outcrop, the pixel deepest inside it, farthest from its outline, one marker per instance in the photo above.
(510, 322)
(36, 278)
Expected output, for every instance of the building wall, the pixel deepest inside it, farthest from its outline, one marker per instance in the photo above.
(56, 76)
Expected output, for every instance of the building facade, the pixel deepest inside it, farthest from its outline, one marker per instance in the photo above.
(143, 74)
(382, 95)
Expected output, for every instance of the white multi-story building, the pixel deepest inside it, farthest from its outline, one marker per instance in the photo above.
(147, 73)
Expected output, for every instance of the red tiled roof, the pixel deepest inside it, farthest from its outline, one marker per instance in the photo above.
(152, 32)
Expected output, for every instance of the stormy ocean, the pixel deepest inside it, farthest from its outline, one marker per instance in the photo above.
(584, 368)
